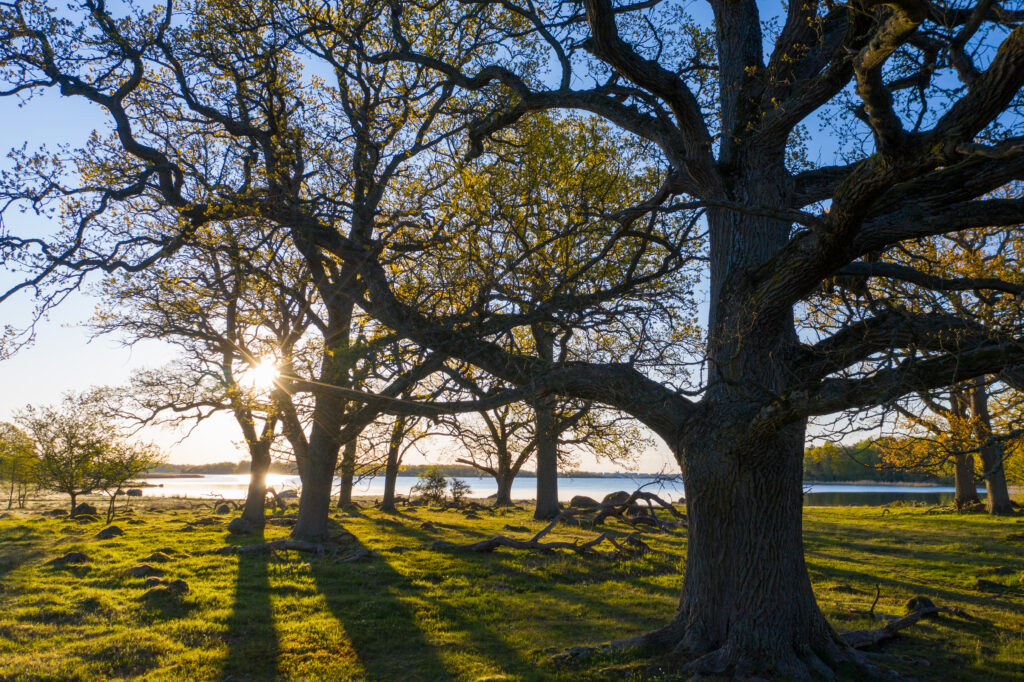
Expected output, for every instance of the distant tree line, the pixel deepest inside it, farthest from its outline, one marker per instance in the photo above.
(221, 468)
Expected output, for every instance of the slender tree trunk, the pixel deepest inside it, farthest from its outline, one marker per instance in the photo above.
(10, 498)
(348, 475)
(963, 477)
(74, 496)
(110, 507)
(387, 504)
(991, 452)
(256, 497)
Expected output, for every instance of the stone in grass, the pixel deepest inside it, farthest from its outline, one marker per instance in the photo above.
(159, 557)
(55, 512)
(153, 581)
(223, 508)
(989, 586)
(70, 559)
(618, 497)
(167, 550)
(241, 526)
(518, 529)
(428, 525)
(109, 532)
(918, 603)
(172, 591)
(583, 502)
(84, 509)
(143, 570)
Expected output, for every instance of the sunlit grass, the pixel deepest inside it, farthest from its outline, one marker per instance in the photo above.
(419, 614)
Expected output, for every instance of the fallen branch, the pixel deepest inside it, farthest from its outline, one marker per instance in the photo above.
(630, 545)
(863, 639)
(278, 502)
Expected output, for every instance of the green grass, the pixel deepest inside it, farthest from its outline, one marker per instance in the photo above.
(419, 614)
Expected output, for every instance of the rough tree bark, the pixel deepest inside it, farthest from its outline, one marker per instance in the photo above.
(747, 606)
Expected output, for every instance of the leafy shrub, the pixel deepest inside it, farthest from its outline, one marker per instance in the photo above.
(459, 491)
(432, 486)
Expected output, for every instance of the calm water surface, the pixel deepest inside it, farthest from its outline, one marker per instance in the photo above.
(234, 486)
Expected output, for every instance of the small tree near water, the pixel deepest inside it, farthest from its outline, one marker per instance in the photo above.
(122, 462)
(77, 451)
(17, 463)
(432, 486)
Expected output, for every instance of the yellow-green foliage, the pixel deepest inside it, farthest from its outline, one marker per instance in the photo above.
(419, 614)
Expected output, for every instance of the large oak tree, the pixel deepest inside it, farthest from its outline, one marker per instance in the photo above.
(935, 86)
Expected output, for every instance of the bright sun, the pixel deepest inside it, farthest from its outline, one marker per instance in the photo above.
(262, 374)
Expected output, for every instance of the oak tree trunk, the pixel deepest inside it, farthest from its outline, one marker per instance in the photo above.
(747, 605)
(963, 476)
(991, 452)
(387, 504)
(547, 463)
(348, 474)
(321, 463)
(256, 497)
(504, 480)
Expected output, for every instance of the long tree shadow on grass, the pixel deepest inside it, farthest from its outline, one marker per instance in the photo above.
(381, 628)
(251, 637)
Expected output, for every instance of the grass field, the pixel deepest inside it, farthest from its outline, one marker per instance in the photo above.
(413, 613)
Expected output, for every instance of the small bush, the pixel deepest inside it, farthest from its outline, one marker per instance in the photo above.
(432, 486)
(459, 491)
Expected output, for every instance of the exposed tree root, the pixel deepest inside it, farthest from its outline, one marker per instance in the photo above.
(491, 544)
(724, 661)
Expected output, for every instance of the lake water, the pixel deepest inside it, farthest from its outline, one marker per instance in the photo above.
(234, 487)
